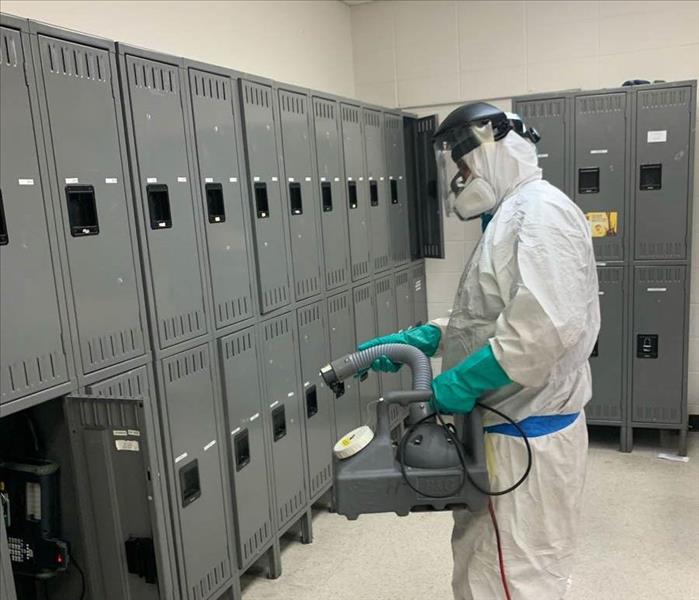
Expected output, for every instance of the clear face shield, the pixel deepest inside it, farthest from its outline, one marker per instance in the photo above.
(453, 174)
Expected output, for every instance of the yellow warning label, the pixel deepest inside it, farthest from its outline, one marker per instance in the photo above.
(346, 442)
(603, 224)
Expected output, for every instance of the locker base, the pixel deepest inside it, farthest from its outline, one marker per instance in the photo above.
(624, 441)
(300, 529)
(664, 432)
(268, 561)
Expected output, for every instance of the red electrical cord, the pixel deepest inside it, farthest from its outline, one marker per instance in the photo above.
(501, 560)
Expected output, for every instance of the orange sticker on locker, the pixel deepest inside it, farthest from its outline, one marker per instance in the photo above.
(603, 224)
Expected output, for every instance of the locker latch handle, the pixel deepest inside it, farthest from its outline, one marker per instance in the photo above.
(327, 196)
(647, 345)
(140, 558)
(394, 191)
(82, 210)
(190, 487)
(311, 401)
(374, 192)
(651, 177)
(241, 445)
(4, 238)
(159, 206)
(295, 198)
(214, 202)
(261, 200)
(279, 423)
(352, 194)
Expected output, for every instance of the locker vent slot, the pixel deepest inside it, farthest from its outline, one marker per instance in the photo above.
(595, 411)
(289, 508)
(181, 326)
(93, 414)
(402, 278)
(360, 269)
(652, 414)
(106, 349)
(276, 328)
(241, 447)
(372, 118)
(75, 61)
(323, 109)
(610, 275)
(293, 103)
(209, 86)
(129, 385)
(660, 274)
(546, 109)
(256, 95)
(238, 345)
(651, 177)
(190, 486)
(362, 294)
(212, 580)
(232, 310)
(352, 194)
(34, 373)
(214, 203)
(321, 479)
(4, 238)
(336, 277)
(295, 198)
(8, 47)
(350, 114)
(307, 286)
(275, 296)
(426, 126)
(153, 76)
(185, 365)
(338, 303)
(663, 98)
(383, 286)
(601, 104)
(261, 200)
(309, 315)
(661, 250)
(327, 196)
(82, 210)
(251, 546)
(588, 181)
(374, 192)
(159, 206)
(392, 122)
(380, 262)
(394, 191)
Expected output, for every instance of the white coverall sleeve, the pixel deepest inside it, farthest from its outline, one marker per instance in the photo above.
(441, 323)
(547, 313)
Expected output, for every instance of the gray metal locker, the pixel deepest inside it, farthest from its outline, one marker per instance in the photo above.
(193, 452)
(378, 198)
(301, 194)
(269, 221)
(281, 395)
(357, 192)
(398, 217)
(664, 119)
(600, 161)
(249, 464)
(386, 322)
(607, 360)
(658, 344)
(223, 192)
(341, 324)
(365, 329)
(118, 489)
(419, 288)
(86, 146)
(34, 339)
(405, 316)
(549, 116)
(7, 584)
(333, 201)
(314, 346)
(154, 102)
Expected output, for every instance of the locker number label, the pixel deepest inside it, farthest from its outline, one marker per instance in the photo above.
(657, 137)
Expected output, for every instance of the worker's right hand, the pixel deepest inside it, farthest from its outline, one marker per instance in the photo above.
(424, 337)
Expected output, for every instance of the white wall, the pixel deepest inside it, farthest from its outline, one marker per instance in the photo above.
(431, 56)
(305, 43)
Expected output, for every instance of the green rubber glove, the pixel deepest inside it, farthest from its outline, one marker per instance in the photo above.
(458, 389)
(424, 337)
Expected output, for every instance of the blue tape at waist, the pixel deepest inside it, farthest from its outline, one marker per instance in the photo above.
(535, 426)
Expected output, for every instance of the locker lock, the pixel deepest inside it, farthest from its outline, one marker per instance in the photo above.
(646, 345)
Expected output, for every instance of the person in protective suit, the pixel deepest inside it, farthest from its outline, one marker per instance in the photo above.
(524, 323)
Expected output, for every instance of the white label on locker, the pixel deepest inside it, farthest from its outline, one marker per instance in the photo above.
(655, 137)
(151, 180)
(349, 179)
(210, 445)
(361, 179)
(275, 178)
(291, 179)
(600, 293)
(181, 457)
(599, 151)
(120, 433)
(543, 155)
(134, 432)
(110, 180)
(129, 445)
(256, 179)
(72, 180)
(181, 180)
(233, 179)
(656, 290)
(25, 181)
(306, 383)
(381, 178)
(335, 179)
(208, 179)
(601, 264)
(400, 177)
(290, 395)
(274, 404)
(254, 417)
(322, 178)
(236, 430)
(308, 178)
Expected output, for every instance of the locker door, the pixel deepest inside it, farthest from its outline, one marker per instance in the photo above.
(301, 194)
(600, 173)
(347, 413)
(662, 172)
(357, 192)
(607, 360)
(280, 376)
(223, 195)
(549, 117)
(419, 289)
(248, 461)
(405, 317)
(399, 225)
(378, 198)
(33, 357)
(333, 200)
(315, 353)
(110, 442)
(386, 322)
(658, 344)
(85, 145)
(269, 222)
(197, 492)
(168, 208)
(365, 329)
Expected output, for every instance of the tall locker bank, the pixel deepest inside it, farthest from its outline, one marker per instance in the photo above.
(269, 220)
(333, 201)
(365, 329)
(314, 352)
(154, 95)
(223, 194)
(79, 98)
(301, 193)
(35, 353)
(342, 342)
(378, 199)
(249, 461)
(279, 341)
(399, 224)
(357, 190)
(601, 160)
